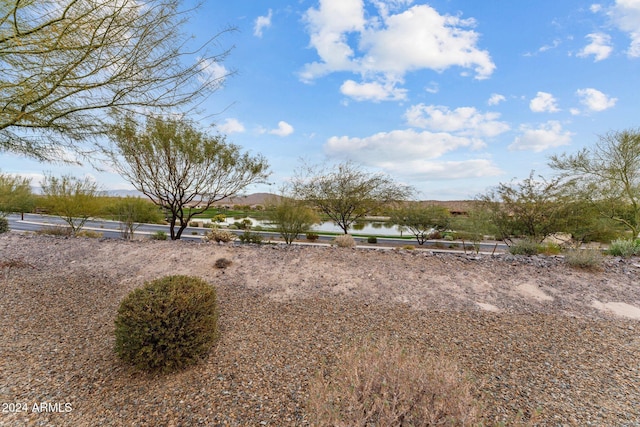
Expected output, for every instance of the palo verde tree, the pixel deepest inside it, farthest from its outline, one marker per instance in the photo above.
(345, 192)
(292, 217)
(180, 168)
(132, 212)
(422, 221)
(608, 176)
(75, 200)
(67, 64)
(530, 208)
(15, 194)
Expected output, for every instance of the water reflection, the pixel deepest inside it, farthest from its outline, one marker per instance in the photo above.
(378, 228)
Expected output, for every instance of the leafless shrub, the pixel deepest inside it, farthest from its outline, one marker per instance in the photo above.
(345, 241)
(219, 236)
(385, 384)
(55, 231)
(222, 263)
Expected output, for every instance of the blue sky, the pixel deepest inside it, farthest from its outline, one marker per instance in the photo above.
(449, 96)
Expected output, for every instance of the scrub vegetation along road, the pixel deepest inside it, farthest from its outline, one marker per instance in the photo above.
(535, 335)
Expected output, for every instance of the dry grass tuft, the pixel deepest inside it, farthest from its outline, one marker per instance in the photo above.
(384, 384)
(588, 259)
(345, 241)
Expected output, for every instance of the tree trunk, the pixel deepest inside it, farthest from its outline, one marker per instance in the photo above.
(172, 226)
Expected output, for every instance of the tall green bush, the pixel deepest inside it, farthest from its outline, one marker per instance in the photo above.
(168, 324)
(4, 225)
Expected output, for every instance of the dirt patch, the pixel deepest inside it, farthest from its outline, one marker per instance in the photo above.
(619, 309)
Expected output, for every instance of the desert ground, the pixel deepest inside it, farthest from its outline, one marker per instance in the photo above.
(538, 337)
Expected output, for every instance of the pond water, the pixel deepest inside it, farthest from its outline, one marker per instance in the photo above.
(377, 228)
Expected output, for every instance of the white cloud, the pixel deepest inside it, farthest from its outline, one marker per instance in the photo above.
(496, 99)
(547, 135)
(284, 129)
(374, 91)
(551, 46)
(442, 170)
(626, 16)
(595, 8)
(543, 103)
(261, 23)
(214, 71)
(231, 126)
(382, 48)
(386, 6)
(595, 100)
(411, 154)
(420, 38)
(397, 146)
(600, 46)
(465, 121)
(432, 88)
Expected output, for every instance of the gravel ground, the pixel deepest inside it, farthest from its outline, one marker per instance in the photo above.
(537, 336)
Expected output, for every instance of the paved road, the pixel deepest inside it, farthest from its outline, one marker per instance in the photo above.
(111, 229)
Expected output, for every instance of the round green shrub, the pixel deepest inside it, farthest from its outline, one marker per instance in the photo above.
(159, 235)
(168, 324)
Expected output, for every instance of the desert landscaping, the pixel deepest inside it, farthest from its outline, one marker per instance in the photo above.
(538, 338)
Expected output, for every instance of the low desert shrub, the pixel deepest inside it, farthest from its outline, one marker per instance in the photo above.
(525, 247)
(249, 237)
(89, 234)
(312, 237)
(372, 239)
(624, 248)
(584, 258)
(345, 241)
(384, 384)
(168, 324)
(4, 225)
(158, 235)
(550, 249)
(222, 263)
(55, 231)
(218, 236)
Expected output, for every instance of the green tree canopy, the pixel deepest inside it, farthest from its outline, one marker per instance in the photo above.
(529, 208)
(15, 194)
(133, 212)
(607, 175)
(291, 216)
(422, 221)
(180, 168)
(75, 200)
(346, 192)
(66, 64)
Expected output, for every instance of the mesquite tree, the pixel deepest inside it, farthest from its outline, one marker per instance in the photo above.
(346, 193)
(180, 168)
